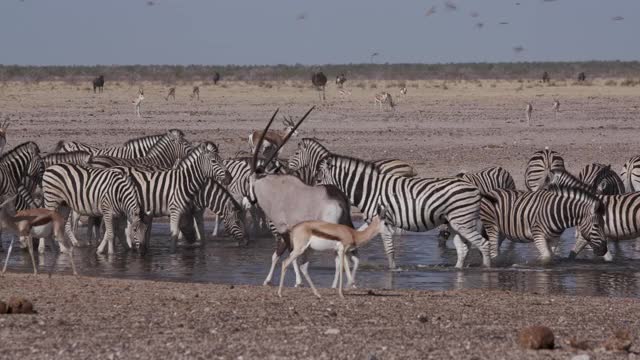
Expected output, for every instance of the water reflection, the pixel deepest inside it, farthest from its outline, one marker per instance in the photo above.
(423, 266)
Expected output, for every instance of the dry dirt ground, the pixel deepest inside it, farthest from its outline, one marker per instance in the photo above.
(467, 126)
(89, 318)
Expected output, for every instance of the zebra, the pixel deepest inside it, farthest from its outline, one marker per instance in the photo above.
(610, 183)
(217, 199)
(539, 164)
(109, 193)
(21, 168)
(395, 167)
(413, 204)
(486, 180)
(73, 157)
(541, 217)
(621, 216)
(631, 174)
(133, 148)
(163, 155)
(170, 192)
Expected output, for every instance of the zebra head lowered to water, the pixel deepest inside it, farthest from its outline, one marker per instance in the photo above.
(541, 217)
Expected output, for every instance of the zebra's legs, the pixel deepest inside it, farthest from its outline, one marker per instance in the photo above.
(470, 233)
(174, 226)
(462, 249)
(216, 222)
(387, 241)
(542, 245)
(198, 219)
(108, 234)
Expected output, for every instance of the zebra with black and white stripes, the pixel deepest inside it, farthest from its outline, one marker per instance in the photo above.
(106, 193)
(72, 157)
(609, 182)
(621, 215)
(412, 204)
(170, 192)
(539, 164)
(134, 148)
(485, 180)
(163, 155)
(541, 217)
(630, 174)
(215, 197)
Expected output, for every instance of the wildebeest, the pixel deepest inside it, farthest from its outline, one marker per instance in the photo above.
(98, 83)
(319, 80)
(545, 77)
(582, 77)
(216, 78)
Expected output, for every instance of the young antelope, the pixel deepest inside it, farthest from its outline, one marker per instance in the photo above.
(527, 112)
(138, 101)
(384, 98)
(321, 236)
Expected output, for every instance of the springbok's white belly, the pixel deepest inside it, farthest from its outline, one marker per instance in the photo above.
(42, 231)
(320, 244)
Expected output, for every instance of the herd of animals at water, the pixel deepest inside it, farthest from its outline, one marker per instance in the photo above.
(304, 201)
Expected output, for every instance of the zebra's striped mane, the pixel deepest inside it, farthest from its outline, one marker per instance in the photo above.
(13, 153)
(366, 163)
(191, 156)
(575, 190)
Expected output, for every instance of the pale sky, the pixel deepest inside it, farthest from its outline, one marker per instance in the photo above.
(89, 32)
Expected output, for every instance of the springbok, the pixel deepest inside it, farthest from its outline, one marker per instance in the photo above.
(322, 236)
(340, 80)
(556, 107)
(40, 223)
(3, 134)
(528, 110)
(272, 138)
(195, 94)
(171, 94)
(138, 101)
(403, 91)
(384, 98)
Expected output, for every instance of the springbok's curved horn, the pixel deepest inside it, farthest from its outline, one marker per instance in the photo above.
(259, 145)
(286, 138)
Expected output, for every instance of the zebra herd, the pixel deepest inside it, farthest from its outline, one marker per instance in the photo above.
(122, 189)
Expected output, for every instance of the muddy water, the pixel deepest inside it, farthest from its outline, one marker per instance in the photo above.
(423, 266)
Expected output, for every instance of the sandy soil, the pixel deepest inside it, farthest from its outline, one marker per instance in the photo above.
(464, 127)
(441, 132)
(112, 319)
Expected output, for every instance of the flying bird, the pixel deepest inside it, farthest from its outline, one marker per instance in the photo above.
(617, 18)
(301, 16)
(430, 11)
(504, 23)
(518, 49)
(150, 3)
(449, 5)
(374, 55)
(474, 14)
(479, 25)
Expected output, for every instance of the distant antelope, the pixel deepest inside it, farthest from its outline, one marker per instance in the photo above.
(319, 80)
(555, 107)
(545, 77)
(384, 98)
(98, 83)
(171, 94)
(216, 78)
(403, 91)
(528, 111)
(582, 77)
(138, 101)
(3, 134)
(195, 93)
(273, 138)
(340, 80)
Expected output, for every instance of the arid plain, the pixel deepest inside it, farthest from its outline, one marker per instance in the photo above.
(441, 128)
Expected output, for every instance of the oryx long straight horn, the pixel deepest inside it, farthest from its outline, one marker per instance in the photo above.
(286, 138)
(255, 153)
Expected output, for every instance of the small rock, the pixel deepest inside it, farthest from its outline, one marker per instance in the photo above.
(580, 344)
(3, 307)
(372, 357)
(423, 318)
(370, 292)
(620, 341)
(332, 313)
(231, 287)
(20, 306)
(581, 357)
(332, 332)
(536, 337)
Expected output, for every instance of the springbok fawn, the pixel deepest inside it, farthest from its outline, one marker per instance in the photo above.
(322, 236)
(138, 101)
(40, 223)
